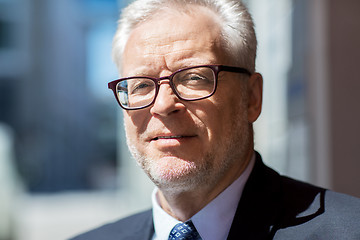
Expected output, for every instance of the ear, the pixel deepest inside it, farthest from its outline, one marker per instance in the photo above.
(255, 90)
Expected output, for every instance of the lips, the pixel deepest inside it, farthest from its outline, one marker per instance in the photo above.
(171, 142)
(168, 137)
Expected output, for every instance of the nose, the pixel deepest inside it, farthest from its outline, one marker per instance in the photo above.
(166, 102)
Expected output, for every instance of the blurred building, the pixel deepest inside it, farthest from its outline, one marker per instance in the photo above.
(65, 134)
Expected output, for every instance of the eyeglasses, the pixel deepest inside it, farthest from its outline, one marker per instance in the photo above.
(188, 84)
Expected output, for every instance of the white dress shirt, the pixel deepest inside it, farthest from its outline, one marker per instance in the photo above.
(213, 222)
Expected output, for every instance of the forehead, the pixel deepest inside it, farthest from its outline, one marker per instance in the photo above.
(176, 39)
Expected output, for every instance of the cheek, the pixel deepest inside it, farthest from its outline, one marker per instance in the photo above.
(131, 130)
(135, 122)
(212, 120)
(128, 131)
(135, 125)
(225, 114)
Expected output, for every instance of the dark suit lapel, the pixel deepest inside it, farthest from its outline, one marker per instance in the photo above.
(271, 202)
(260, 205)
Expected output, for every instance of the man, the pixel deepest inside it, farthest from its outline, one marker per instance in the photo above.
(190, 95)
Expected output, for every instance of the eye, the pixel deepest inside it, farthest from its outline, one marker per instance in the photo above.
(193, 78)
(143, 86)
(139, 87)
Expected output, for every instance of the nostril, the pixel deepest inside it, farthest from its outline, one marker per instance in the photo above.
(174, 111)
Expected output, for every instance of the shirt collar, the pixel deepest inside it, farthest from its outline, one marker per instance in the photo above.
(219, 212)
(163, 222)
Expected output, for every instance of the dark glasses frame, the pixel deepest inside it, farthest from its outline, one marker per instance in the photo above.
(215, 68)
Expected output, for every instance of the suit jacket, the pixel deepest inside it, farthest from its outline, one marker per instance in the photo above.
(271, 207)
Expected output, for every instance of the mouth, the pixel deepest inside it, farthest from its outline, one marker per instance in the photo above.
(169, 142)
(168, 137)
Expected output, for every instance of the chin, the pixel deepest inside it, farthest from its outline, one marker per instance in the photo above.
(175, 184)
(174, 175)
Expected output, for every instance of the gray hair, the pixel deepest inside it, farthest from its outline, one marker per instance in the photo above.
(237, 26)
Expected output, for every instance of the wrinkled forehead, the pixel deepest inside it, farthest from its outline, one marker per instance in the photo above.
(171, 20)
(175, 35)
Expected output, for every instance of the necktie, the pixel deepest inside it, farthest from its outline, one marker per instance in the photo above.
(184, 231)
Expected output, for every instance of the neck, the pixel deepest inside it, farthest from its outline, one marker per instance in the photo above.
(182, 205)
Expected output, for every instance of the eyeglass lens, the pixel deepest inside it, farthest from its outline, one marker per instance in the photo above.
(188, 84)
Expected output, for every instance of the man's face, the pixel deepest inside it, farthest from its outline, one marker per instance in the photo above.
(184, 144)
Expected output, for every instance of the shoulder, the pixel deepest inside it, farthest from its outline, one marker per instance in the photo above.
(342, 208)
(290, 209)
(138, 226)
(317, 213)
(325, 202)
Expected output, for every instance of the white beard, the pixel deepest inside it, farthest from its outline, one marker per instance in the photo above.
(228, 152)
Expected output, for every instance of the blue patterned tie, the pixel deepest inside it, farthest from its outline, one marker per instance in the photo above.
(184, 231)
